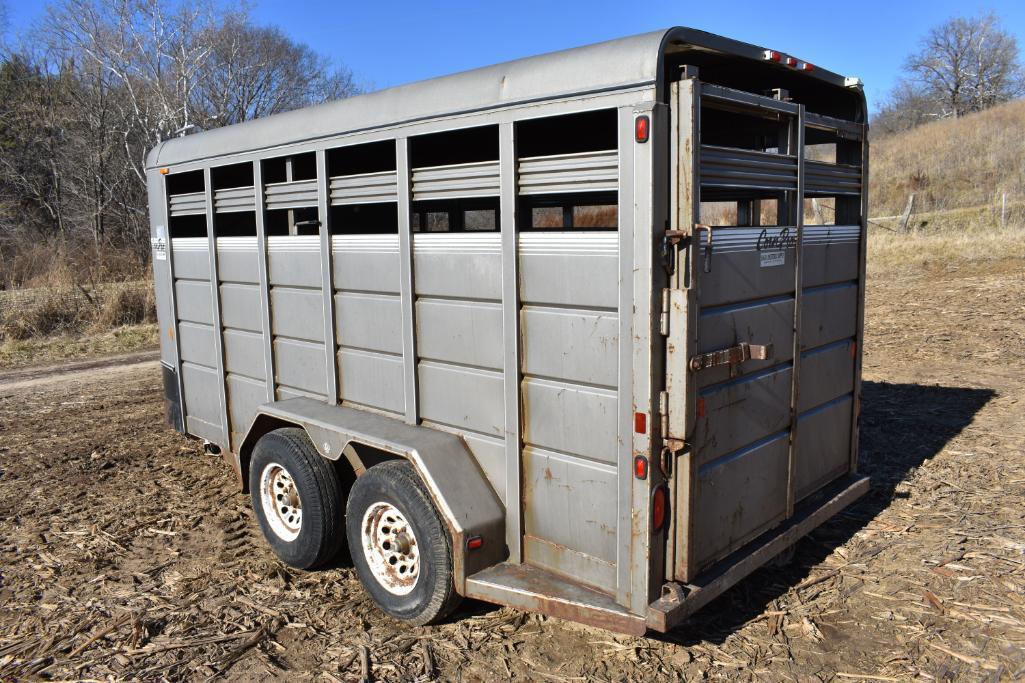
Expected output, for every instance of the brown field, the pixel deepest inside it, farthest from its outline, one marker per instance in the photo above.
(126, 553)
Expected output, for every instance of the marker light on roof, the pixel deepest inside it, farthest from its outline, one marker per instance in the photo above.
(791, 61)
(773, 56)
(807, 67)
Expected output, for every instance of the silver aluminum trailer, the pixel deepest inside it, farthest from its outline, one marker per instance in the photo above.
(554, 334)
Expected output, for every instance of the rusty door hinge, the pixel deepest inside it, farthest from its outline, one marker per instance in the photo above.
(663, 412)
(731, 356)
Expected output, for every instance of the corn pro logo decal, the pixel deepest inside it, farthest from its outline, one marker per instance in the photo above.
(772, 246)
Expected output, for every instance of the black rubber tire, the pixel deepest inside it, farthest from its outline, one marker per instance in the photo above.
(321, 535)
(397, 483)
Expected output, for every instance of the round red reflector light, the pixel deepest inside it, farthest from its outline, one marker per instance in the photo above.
(658, 508)
(791, 61)
(641, 467)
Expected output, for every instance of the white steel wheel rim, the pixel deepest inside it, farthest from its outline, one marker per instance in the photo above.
(390, 548)
(280, 500)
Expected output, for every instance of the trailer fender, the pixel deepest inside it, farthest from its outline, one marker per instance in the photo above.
(460, 490)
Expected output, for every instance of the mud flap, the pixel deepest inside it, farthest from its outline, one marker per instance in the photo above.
(172, 399)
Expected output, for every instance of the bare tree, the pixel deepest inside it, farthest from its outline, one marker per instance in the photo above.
(100, 82)
(907, 106)
(966, 65)
(4, 23)
(152, 53)
(254, 71)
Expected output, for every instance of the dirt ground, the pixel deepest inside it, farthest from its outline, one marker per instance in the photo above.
(125, 552)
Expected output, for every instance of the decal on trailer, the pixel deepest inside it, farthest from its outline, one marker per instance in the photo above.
(772, 258)
(159, 244)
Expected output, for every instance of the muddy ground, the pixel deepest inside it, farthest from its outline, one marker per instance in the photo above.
(125, 552)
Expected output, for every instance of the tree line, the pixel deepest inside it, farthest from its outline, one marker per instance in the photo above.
(965, 65)
(86, 93)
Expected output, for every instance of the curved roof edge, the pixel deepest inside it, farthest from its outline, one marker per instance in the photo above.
(612, 65)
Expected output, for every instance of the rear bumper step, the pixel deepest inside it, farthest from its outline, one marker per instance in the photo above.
(532, 589)
(672, 609)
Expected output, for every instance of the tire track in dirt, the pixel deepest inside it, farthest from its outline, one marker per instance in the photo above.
(12, 380)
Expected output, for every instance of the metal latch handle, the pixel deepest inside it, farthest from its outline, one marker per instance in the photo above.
(734, 355)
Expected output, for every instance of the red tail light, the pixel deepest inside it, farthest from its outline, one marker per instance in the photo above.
(641, 467)
(474, 542)
(773, 56)
(658, 508)
(791, 61)
(642, 128)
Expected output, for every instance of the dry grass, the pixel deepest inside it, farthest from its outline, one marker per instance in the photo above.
(64, 307)
(951, 164)
(64, 348)
(948, 239)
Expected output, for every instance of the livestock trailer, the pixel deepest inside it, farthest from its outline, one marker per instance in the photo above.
(554, 334)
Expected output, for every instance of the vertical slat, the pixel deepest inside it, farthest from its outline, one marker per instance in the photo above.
(169, 250)
(635, 205)
(797, 149)
(261, 265)
(326, 279)
(406, 292)
(511, 333)
(215, 293)
(860, 329)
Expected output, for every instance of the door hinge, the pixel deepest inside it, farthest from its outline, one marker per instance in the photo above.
(731, 356)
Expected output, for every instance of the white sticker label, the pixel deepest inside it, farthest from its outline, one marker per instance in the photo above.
(773, 258)
(159, 248)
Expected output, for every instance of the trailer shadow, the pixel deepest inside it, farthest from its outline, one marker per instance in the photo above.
(902, 426)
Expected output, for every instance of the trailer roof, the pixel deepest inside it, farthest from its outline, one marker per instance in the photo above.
(618, 64)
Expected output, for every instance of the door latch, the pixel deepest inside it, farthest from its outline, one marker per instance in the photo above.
(734, 355)
(708, 245)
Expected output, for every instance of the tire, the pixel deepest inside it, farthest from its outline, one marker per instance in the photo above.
(285, 462)
(392, 493)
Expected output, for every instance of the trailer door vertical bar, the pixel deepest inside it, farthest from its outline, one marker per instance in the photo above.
(859, 333)
(215, 293)
(635, 199)
(681, 342)
(406, 293)
(511, 333)
(796, 145)
(326, 279)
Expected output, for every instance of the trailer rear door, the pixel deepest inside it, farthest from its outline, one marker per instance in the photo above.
(762, 315)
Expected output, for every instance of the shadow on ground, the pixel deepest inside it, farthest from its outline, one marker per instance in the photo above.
(902, 426)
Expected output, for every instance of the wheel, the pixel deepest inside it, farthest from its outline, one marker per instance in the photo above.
(400, 546)
(297, 497)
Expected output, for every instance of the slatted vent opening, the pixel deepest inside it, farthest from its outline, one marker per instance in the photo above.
(455, 164)
(362, 174)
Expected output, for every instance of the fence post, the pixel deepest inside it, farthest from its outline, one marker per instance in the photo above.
(906, 216)
(1003, 209)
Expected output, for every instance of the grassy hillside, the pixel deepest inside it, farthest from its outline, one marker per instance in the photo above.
(953, 164)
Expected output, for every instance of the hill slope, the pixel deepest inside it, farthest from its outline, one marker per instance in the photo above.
(951, 164)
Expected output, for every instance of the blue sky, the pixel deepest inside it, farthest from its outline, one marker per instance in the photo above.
(389, 43)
